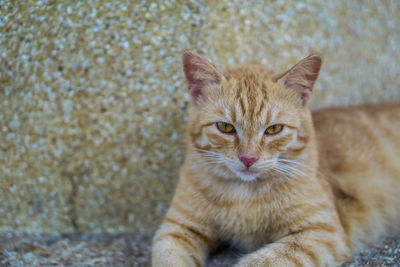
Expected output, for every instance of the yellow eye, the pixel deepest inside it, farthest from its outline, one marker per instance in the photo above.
(225, 127)
(274, 129)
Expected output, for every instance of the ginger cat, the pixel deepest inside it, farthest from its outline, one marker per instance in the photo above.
(262, 172)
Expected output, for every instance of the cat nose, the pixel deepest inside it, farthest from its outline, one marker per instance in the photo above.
(248, 160)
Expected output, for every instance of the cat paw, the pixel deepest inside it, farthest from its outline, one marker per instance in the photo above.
(174, 261)
(252, 261)
(171, 263)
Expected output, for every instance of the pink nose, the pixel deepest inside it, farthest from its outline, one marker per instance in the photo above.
(248, 160)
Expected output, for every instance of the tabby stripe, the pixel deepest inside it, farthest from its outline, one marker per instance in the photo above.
(198, 188)
(300, 139)
(303, 138)
(297, 151)
(221, 112)
(242, 107)
(300, 248)
(236, 142)
(315, 208)
(298, 220)
(266, 261)
(319, 227)
(206, 147)
(251, 98)
(301, 209)
(251, 103)
(260, 109)
(263, 142)
(183, 240)
(238, 93)
(197, 262)
(195, 232)
(238, 96)
(194, 136)
(282, 141)
(268, 119)
(205, 125)
(218, 139)
(293, 128)
(288, 256)
(265, 93)
(197, 134)
(330, 246)
(233, 114)
(187, 214)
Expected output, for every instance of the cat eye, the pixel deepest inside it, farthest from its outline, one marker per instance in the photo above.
(226, 128)
(274, 129)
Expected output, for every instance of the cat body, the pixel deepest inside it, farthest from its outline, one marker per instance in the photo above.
(363, 167)
(262, 172)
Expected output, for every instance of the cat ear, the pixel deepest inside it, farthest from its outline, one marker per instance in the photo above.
(302, 76)
(199, 73)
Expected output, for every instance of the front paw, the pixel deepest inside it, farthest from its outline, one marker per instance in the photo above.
(174, 259)
(172, 262)
(252, 261)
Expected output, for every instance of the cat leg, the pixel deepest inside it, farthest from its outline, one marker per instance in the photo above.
(315, 245)
(181, 241)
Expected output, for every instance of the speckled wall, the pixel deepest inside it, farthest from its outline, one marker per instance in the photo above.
(93, 100)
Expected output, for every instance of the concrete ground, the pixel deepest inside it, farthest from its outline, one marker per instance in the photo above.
(134, 250)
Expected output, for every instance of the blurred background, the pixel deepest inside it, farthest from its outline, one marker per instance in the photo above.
(93, 99)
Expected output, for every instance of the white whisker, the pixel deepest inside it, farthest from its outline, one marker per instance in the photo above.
(292, 169)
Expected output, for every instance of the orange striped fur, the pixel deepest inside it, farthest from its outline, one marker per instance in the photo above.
(324, 187)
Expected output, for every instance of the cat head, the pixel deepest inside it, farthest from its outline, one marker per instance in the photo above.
(247, 122)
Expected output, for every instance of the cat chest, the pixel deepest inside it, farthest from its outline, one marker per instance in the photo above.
(246, 226)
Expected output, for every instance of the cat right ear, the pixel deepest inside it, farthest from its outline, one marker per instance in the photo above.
(199, 73)
(302, 76)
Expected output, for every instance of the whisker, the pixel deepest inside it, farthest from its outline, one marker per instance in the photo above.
(294, 170)
(294, 162)
(298, 163)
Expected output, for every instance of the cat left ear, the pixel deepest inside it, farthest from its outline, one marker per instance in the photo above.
(199, 73)
(302, 76)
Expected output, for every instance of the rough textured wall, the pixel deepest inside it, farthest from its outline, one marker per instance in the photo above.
(93, 100)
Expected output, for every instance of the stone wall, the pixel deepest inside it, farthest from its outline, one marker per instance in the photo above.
(93, 100)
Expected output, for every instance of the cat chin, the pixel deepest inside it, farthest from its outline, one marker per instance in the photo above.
(229, 174)
(247, 176)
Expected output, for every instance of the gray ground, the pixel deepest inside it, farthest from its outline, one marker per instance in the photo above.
(133, 250)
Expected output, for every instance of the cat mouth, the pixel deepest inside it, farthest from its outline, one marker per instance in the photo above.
(247, 171)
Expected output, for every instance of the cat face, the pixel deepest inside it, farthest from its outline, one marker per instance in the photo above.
(244, 124)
